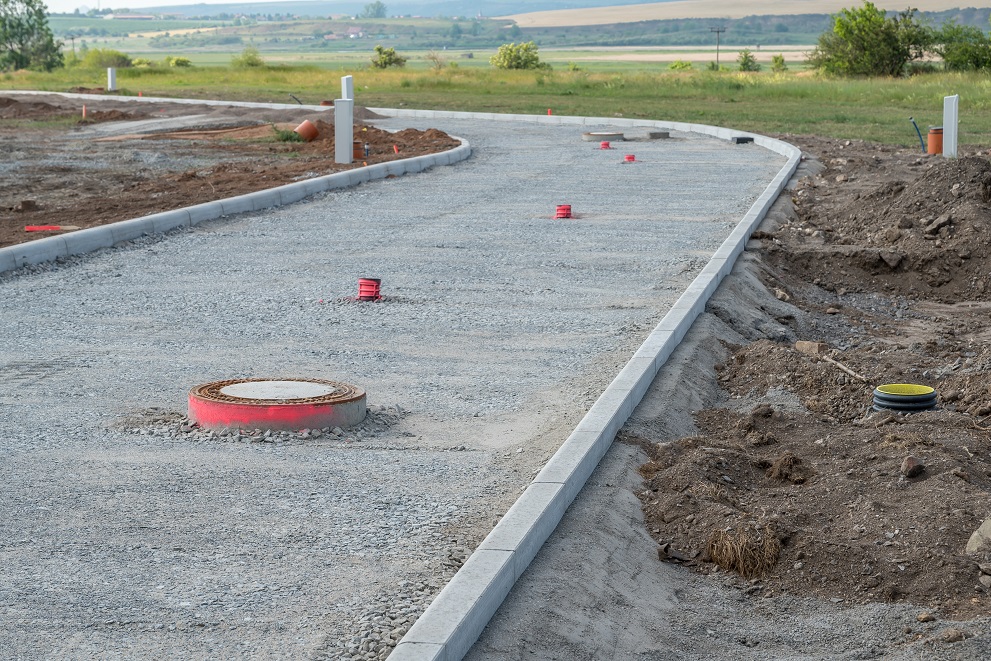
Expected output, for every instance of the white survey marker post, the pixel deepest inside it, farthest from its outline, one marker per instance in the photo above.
(111, 79)
(347, 87)
(951, 120)
(343, 130)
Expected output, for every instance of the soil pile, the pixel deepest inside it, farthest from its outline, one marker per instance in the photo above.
(796, 485)
(53, 176)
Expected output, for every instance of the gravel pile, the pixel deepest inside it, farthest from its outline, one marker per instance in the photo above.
(126, 533)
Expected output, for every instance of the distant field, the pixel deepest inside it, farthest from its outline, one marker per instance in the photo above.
(716, 9)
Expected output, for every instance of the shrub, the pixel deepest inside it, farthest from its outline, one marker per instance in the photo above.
(177, 62)
(387, 57)
(103, 58)
(865, 42)
(437, 63)
(778, 63)
(963, 47)
(518, 56)
(680, 65)
(249, 57)
(142, 63)
(746, 61)
(712, 66)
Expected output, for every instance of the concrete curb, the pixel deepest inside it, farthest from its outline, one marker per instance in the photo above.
(89, 240)
(452, 623)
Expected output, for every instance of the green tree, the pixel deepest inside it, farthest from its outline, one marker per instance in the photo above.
(26, 42)
(387, 57)
(778, 63)
(866, 42)
(518, 56)
(374, 10)
(963, 47)
(747, 61)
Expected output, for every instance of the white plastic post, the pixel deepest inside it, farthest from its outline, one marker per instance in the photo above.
(111, 79)
(343, 130)
(951, 119)
(347, 87)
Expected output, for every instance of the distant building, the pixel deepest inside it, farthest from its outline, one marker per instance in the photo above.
(129, 17)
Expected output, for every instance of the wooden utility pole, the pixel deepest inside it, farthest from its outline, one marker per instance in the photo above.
(718, 30)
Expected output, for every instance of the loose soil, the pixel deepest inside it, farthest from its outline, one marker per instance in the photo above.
(794, 483)
(57, 169)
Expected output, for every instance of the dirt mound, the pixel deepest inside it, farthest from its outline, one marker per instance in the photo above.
(11, 109)
(884, 265)
(850, 525)
(50, 179)
(922, 231)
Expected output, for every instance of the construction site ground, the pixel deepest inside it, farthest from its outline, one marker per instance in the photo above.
(880, 253)
(125, 160)
(784, 514)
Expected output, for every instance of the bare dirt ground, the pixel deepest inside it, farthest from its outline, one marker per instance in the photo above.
(126, 160)
(796, 485)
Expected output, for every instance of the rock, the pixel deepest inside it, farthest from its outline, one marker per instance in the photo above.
(980, 540)
(892, 234)
(811, 348)
(840, 178)
(905, 223)
(940, 222)
(925, 616)
(832, 311)
(953, 635)
(891, 258)
(985, 580)
(25, 206)
(781, 295)
(912, 466)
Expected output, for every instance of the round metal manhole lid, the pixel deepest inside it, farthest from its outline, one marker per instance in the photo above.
(276, 404)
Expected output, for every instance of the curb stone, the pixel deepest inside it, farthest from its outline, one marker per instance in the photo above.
(451, 624)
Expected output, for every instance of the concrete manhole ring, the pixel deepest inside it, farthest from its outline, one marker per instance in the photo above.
(280, 404)
(600, 136)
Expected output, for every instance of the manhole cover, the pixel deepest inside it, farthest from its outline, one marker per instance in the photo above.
(284, 404)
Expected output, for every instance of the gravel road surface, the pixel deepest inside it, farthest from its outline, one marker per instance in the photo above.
(126, 534)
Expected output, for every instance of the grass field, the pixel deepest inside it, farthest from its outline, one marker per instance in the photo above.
(713, 9)
(876, 110)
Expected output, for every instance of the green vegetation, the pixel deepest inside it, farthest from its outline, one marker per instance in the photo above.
(286, 135)
(386, 58)
(680, 65)
(867, 42)
(102, 58)
(374, 10)
(746, 61)
(864, 108)
(778, 64)
(963, 48)
(518, 56)
(249, 58)
(26, 42)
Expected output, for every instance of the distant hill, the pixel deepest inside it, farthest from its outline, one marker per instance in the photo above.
(395, 7)
(714, 9)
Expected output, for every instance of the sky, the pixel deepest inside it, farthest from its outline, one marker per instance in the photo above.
(61, 6)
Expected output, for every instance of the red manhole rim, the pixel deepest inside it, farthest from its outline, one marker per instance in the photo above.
(342, 393)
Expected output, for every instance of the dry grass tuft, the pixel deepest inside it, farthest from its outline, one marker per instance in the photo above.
(712, 492)
(750, 552)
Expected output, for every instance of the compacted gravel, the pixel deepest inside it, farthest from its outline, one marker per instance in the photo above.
(127, 533)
